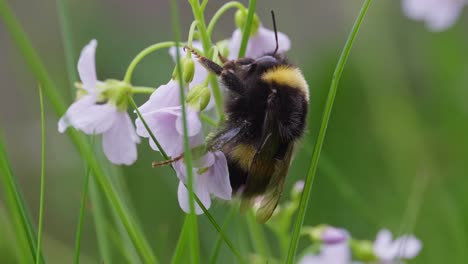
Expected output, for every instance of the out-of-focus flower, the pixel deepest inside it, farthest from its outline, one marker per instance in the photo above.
(337, 252)
(210, 176)
(437, 14)
(263, 41)
(163, 114)
(102, 109)
(388, 250)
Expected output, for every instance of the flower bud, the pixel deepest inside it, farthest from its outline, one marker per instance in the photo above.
(198, 97)
(223, 47)
(188, 70)
(363, 250)
(241, 18)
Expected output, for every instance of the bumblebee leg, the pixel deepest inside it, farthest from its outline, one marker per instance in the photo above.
(205, 62)
(232, 82)
(222, 58)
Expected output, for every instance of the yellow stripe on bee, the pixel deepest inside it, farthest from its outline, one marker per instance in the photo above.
(287, 75)
(243, 154)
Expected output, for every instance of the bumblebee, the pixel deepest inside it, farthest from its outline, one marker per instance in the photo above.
(266, 109)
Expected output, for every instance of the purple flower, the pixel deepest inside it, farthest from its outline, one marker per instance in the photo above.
(210, 176)
(388, 250)
(332, 235)
(94, 114)
(337, 253)
(163, 114)
(262, 42)
(437, 14)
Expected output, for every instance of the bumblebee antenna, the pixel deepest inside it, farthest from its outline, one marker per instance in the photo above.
(276, 31)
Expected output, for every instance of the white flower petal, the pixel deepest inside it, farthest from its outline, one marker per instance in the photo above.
(87, 66)
(261, 43)
(167, 95)
(437, 14)
(119, 142)
(384, 247)
(193, 123)
(444, 14)
(313, 259)
(201, 192)
(218, 174)
(89, 117)
(408, 247)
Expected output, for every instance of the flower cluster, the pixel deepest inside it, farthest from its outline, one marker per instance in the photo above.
(102, 108)
(437, 14)
(337, 247)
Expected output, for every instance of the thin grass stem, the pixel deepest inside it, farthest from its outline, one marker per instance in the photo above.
(42, 192)
(192, 218)
(79, 229)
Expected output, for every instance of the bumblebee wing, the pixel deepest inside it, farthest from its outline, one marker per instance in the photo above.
(262, 164)
(275, 187)
(225, 136)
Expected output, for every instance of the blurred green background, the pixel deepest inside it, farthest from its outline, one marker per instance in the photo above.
(395, 156)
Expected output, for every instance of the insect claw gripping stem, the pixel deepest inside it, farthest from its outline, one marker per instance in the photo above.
(207, 63)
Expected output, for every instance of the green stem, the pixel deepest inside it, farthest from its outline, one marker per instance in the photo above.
(257, 236)
(41, 199)
(322, 132)
(82, 213)
(217, 247)
(203, 5)
(144, 53)
(208, 120)
(142, 90)
(220, 12)
(206, 42)
(191, 35)
(40, 73)
(179, 251)
(193, 235)
(247, 28)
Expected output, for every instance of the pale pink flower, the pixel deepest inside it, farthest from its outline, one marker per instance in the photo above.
(210, 177)
(163, 114)
(388, 250)
(262, 42)
(437, 14)
(93, 116)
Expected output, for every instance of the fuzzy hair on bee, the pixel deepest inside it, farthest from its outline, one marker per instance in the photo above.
(266, 109)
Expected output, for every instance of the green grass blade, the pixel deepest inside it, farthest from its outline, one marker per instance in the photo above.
(17, 208)
(247, 28)
(42, 193)
(179, 251)
(79, 227)
(50, 90)
(192, 218)
(217, 247)
(321, 136)
(67, 40)
(257, 236)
